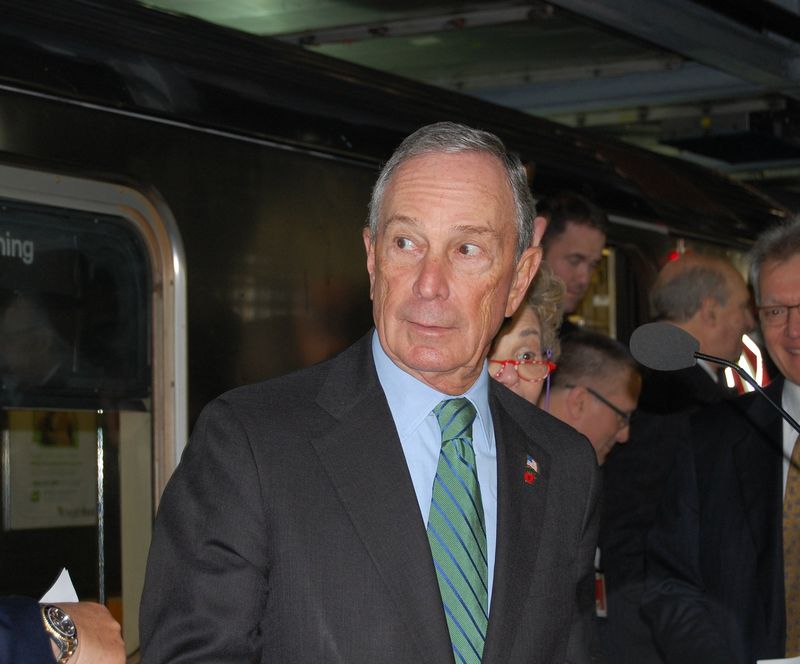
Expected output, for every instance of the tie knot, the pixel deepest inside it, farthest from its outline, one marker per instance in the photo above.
(455, 418)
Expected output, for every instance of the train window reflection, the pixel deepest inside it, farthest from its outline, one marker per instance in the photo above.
(73, 309)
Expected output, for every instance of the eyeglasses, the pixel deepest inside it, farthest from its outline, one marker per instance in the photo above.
(774, 315)
(533, 370)
(623, 418)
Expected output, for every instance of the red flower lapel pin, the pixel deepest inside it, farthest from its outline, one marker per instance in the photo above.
(531, 470)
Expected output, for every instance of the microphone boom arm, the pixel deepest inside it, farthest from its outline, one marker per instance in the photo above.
(752, 381)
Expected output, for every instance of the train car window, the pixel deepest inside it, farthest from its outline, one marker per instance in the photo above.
(74, 309)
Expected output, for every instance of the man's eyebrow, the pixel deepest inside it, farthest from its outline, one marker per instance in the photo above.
(400, 219)
(529, 332)
(471, 229)
(478, 230)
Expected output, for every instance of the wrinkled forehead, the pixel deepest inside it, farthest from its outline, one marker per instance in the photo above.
(780, 273)
(477, 173)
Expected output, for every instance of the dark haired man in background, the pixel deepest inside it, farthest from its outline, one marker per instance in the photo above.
(573, 245)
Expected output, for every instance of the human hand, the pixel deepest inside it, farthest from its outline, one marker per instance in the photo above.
(99, 637)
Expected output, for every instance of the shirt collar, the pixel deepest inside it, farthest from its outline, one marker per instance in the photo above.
(709, 369)
(790, 399)
(411, 400)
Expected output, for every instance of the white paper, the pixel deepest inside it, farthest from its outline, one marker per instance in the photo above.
(61, 591)
(788, 660)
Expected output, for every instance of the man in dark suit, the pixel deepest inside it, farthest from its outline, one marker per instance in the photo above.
(728, 531)
(708, 298)
(314, 518)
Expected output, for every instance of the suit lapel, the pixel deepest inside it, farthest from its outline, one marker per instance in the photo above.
(363, 457)
(520, 513)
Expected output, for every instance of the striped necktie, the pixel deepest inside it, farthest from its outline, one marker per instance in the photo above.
(791, 553)
(457, 534)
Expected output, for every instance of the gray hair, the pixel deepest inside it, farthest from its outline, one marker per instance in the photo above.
(452, 138)
(683, 284)
(591, 356)
(778, 244)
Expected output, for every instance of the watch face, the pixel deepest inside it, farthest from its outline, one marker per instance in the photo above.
(61, 622)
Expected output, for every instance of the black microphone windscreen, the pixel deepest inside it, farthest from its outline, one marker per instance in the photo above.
(663, 347)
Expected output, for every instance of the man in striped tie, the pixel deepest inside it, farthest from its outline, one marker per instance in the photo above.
(723, 580)
(393, 504)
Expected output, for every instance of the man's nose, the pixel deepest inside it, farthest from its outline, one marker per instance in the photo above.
(431, 282)
(793, 322)
(622, 434)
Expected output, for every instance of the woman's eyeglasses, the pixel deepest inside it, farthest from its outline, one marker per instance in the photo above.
(533, 370)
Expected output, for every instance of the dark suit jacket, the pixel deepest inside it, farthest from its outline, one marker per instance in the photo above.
(22, 636)
(635, 474)
(636, 471)
(291, 532)
(715, 556)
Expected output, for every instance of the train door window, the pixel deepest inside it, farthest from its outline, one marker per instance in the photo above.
(82, 318)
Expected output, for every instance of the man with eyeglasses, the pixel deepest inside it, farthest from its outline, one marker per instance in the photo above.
(595, 389)
(723, 564)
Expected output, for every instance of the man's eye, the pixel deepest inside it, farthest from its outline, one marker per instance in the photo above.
(775, 311)
(404, 243)
(468, 250)
(526, 356)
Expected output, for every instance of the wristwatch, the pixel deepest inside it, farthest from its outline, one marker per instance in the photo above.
(61, 630)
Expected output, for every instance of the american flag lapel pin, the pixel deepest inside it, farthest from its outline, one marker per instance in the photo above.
(531, 470)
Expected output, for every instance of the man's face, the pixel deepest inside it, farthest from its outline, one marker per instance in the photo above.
(600, 423)
(732, 320)
(779, 283)
(574, 256)
(442, 271)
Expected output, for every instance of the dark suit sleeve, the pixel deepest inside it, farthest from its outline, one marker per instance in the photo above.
(680, 614)
(22, 637)
(583, 645)
(206, 581)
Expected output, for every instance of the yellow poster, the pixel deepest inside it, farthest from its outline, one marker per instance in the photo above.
(50, 469)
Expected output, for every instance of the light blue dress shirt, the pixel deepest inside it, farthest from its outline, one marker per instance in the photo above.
(411, 402)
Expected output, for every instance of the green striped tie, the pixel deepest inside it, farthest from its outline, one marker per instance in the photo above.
(457, 534)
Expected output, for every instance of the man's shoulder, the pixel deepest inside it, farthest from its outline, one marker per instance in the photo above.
(331, 385)
(668, 392)
(548, 432)
(746, 420)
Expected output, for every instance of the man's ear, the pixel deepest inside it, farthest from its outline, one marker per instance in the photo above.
(369, 246)
(577, 402)
(524, 272)
(539, 227)
(708, 312)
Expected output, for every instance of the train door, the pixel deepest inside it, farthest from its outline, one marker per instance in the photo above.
(92, 382)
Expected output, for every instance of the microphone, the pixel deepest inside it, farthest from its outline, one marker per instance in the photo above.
(666, 347)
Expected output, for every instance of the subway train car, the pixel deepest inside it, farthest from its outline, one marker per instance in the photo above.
(180, 213)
